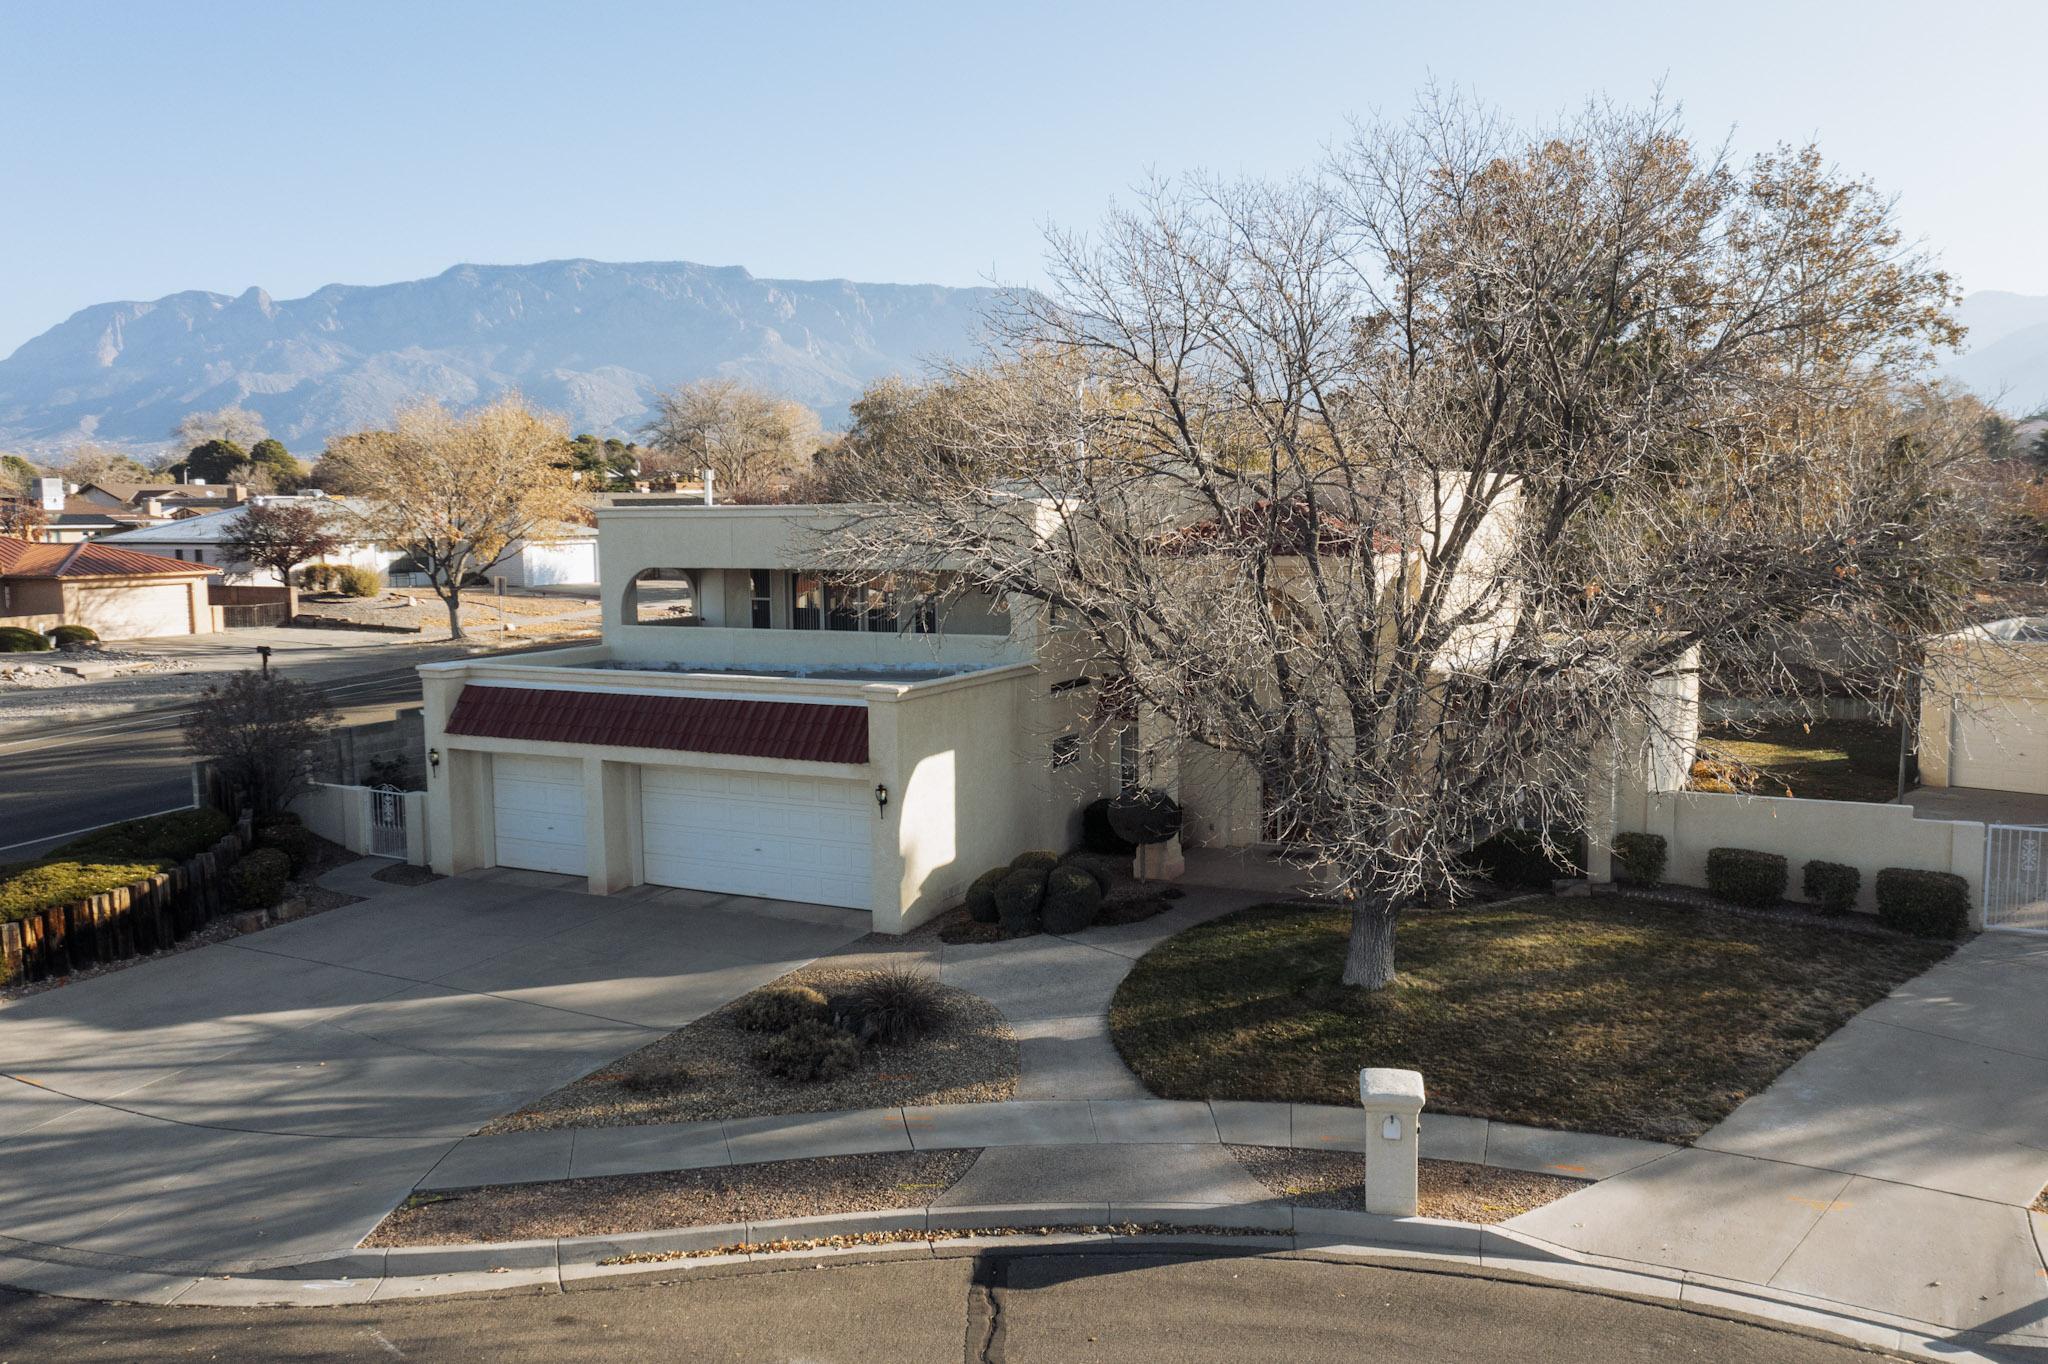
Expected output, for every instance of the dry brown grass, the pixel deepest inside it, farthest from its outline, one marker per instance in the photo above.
(1608, 1015)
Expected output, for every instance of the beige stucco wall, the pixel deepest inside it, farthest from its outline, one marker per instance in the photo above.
(1983, 678)
(1867, 837)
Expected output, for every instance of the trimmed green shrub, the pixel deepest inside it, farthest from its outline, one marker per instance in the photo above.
(1073, 899)
(981, 896)
(258, 880)
(353, 580)
(286, 833)
(1018, 897)
(27, 887)
(1639, 859)
(73, 636)
(1743, 876)
(1106, 868)
(15, 640)
(775, 1008)
(1038, 859)
(163, 838)
(317, 577)
(894, 1005)
(1927, 904)
(1515, 857)
(811, 1051)
(1831, 885)
(1144, 815)
(1096, 834)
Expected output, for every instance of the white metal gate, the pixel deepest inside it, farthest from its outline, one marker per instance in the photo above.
(2016, 877)
(387, 821)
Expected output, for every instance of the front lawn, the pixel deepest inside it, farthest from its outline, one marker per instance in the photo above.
(106, 859)
(1595, 1015)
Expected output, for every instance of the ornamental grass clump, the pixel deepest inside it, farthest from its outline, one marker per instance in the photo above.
(777, 1008)
(892, 1006)
(811, 1051)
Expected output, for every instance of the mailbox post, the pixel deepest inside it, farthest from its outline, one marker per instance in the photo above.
(1393, 1116)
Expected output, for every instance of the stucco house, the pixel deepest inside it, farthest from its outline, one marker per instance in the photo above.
(119, 593)
(749, 726)
(1984, 707)
(202, 538)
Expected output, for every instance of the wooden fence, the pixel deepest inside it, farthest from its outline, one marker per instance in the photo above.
(143, 916)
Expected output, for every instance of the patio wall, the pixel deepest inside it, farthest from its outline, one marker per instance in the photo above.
(341, 814)
(1867, 837)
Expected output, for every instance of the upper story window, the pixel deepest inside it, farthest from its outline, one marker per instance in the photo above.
(764, 598)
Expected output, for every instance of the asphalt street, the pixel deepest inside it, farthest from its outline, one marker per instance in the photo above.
(77, 777)
(1033, 1307)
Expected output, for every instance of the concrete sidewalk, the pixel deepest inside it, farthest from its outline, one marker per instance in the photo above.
(1152, 1125)
(1890, 1169)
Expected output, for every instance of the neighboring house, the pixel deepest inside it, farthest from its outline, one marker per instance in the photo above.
(1984, 707)
(749, 727)
(55, 516)
(119, 593)
(570, 556)
(202, 538)
(156, 501)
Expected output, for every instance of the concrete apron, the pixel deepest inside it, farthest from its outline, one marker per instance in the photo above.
(1263, 1228)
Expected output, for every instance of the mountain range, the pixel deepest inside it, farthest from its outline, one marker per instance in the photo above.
(2007, 357)
(589, 339)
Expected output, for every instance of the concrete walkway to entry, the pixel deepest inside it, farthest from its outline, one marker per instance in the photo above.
(278, 1093)
(1890, 1169)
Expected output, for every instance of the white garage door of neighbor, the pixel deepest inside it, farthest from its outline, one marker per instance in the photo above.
(564, 563)
(2000, 742)
(740, 833)
(539, 813)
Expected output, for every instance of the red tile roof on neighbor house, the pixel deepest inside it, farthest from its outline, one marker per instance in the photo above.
(87, 559)
(826, 733)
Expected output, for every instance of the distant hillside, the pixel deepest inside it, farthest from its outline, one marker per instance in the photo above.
(589, 339)
(2007, 354)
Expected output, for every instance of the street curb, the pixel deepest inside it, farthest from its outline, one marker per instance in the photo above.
(571, 1264)
(575, 1264)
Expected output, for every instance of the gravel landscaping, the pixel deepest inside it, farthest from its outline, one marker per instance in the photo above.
(707, 1070)
(1604, 1014)
(615, 1204)
(1449, 1189)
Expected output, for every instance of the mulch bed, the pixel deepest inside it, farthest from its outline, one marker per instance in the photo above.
(1605, 1014)
(405, 874)
(706, 1070)
(615, 1204)
(1450, 1189)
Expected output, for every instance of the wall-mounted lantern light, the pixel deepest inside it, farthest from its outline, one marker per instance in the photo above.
(881, 799)
(434, 758)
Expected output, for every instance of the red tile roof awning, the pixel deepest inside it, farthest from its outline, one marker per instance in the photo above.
(827, 733)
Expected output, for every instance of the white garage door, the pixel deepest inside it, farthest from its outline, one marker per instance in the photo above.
(782, 838)
(539, 813)
(569, 562)
(2000, 742)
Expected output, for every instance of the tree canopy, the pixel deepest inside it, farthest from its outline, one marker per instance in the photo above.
(1408, 484)
(456, 494)
(750, 440)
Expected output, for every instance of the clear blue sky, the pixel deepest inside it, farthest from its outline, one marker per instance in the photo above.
(150, 147)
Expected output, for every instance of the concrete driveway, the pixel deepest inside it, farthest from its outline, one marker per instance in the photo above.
(272, 1097)
(1890, 1169)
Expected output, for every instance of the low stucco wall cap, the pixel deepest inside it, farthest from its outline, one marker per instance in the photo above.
(1382, 1087)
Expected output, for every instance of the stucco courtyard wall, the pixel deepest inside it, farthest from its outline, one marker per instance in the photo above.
(1867, 837)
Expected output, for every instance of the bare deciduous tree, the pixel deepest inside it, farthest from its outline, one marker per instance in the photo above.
(87, 463)
(750, 440)
(456, 494)
(1407, 484)
(259, 728)
(280, 536)
(234, 423)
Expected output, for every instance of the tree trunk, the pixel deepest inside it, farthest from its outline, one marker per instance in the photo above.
(454, 600)
(1369, 962)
